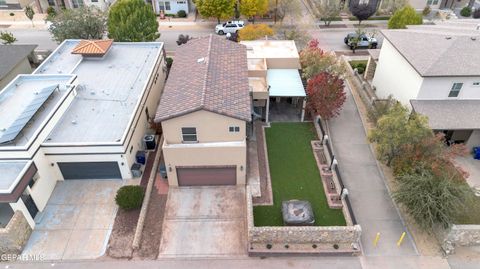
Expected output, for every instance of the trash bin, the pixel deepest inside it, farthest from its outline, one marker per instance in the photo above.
(163, 171)
(140, 157)
(476, 153)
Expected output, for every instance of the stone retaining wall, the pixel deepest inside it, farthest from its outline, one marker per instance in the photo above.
(301, 238)
(14, 236)
(461, 236)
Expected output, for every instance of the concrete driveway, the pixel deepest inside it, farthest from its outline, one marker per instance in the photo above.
(77, 221)
(204, 222)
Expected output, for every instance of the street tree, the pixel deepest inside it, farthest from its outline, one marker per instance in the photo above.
(253, 8)
(314, 60)
(362, 10)
(326, 95)
(282, 8)
(398, 128)
(403, 17)
(298, 34)
(430, 199)
(29, 12)
(326, 11)
(254, 32)
(132, 21)
(219, 9)
(7, 38)
(79, 23)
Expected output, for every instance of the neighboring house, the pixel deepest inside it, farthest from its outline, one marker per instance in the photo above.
(436, 70)
(42, 5)
(82, 114)
(14, 61)
(204, 111)
(274, 79)
(171, 6)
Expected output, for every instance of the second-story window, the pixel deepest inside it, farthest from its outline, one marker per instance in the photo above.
(189, 134)
(456, 87)
(234, 129)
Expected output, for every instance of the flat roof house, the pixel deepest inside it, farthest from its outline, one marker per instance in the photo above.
(276, 86)
(82, 114)
(435, 69)
(14, 61)
(204, 112)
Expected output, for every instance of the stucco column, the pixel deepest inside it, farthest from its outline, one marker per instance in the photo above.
(268, 109)
(303, 109)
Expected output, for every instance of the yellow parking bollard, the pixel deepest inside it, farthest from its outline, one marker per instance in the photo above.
(377, 237)
(399, 242)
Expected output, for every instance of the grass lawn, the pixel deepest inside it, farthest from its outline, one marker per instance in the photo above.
(294, 175)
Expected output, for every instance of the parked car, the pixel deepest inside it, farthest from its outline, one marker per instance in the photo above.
(229, 27)
(364, 41)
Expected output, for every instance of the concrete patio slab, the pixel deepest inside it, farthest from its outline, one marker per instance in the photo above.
(77, 221)
(204, 222)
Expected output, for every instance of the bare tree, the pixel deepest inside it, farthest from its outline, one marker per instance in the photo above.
(326, 11)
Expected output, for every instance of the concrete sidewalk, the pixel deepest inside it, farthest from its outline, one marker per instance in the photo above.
(371, 201)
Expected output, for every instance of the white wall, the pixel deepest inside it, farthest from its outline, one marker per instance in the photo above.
(43, 188)
(439, 88)
(474, 140)
(395, 76)
(19, 205)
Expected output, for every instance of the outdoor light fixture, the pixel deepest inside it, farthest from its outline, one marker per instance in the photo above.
(241, 167)
(169, 168)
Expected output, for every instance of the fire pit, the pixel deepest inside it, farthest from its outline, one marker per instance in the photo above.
(297, 213)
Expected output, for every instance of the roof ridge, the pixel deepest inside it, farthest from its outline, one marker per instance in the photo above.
(81, 46)
(442, 54)
(207, 62)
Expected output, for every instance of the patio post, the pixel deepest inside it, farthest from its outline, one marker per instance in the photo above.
(303, 110)
(268, 109)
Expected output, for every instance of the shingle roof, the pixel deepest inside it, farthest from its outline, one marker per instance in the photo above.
(208, 73)
(434, 53)
(93, 47)
(444, 114)
(11, 55)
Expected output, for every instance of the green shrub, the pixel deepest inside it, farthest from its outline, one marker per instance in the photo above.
(181, 14)
(466, 12)
(130, 197)
(359, 65)
(379, 108)
(360, 69)
(51, 13)
(426, 11)
(476, 14)
(169, 62)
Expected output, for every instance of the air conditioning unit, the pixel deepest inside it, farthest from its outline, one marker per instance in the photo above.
(149, 141)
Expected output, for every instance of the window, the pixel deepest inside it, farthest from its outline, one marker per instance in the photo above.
(33, 180)
(161, 5)
(435, 2)
(234, 129)
(455, 89)
(94, 1)
(181, 2)
(77, 3)
(476, 84)
(189, 134)
(429, 2)
(167, 5)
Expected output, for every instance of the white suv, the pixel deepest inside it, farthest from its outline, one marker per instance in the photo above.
(229, 27)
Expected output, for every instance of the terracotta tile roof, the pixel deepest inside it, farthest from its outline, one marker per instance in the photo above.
(93, 47)
(208, 73)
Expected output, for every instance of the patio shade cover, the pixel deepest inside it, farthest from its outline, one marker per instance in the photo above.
(285, 83)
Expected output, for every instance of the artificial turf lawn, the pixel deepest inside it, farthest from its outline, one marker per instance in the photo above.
(294, 174)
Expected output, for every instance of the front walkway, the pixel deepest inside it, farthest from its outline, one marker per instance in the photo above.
(204, 222)
(77, 221)
(371, 201)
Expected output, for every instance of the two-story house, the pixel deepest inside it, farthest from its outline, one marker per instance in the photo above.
(435, 70)
(204, 111)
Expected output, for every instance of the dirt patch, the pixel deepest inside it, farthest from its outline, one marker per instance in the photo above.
(426, 243)
(120, 243)
(152, 231)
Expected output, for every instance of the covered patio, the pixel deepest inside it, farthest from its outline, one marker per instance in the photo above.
(287, 96)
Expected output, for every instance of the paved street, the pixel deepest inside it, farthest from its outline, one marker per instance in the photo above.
(41, 37)
(368, 193)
